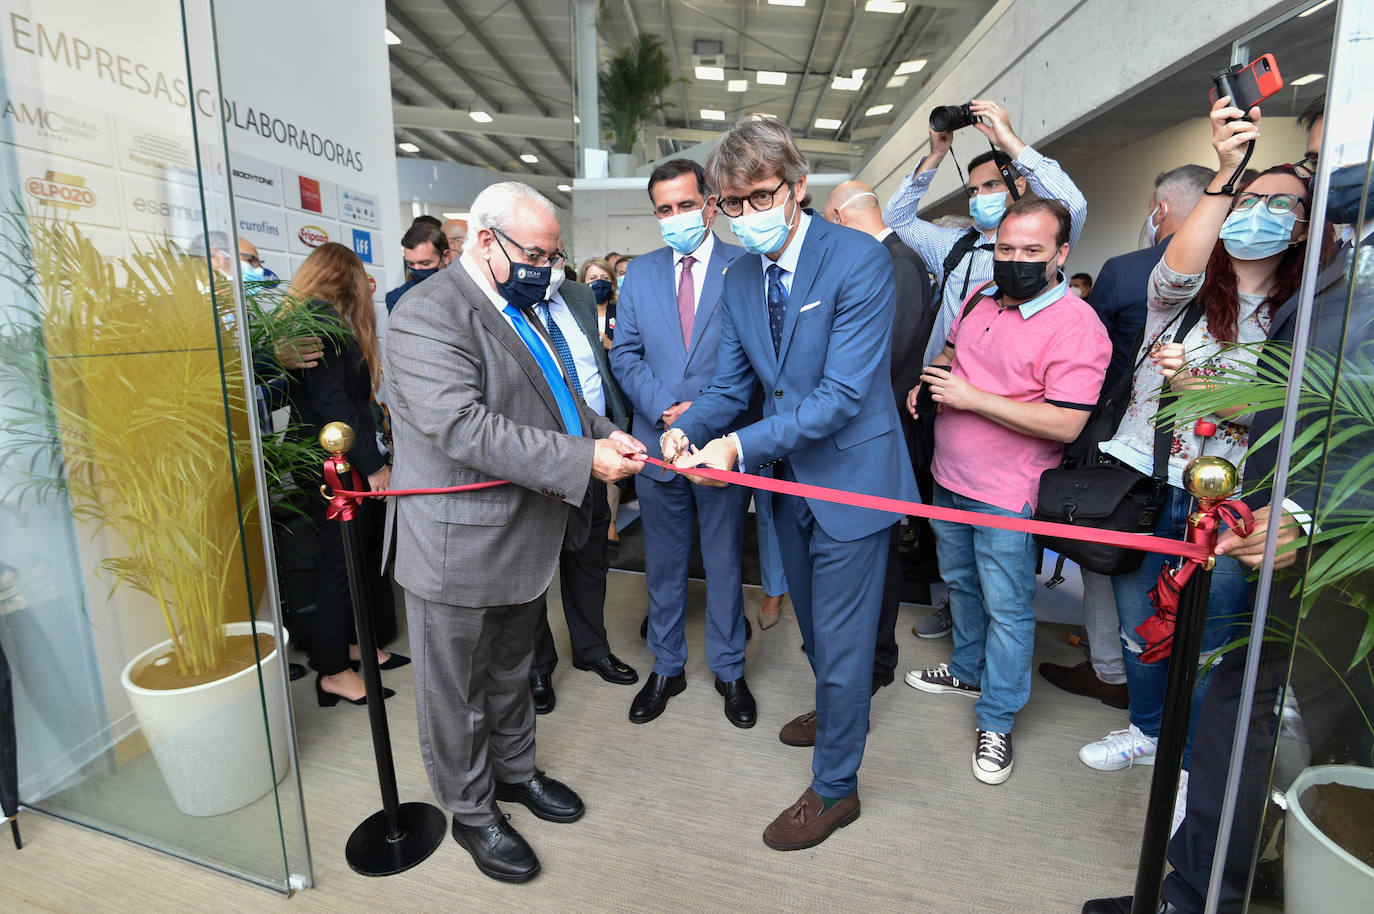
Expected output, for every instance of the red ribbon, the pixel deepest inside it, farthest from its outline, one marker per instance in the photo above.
(1193, 551)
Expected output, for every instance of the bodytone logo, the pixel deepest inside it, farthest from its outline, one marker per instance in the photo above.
(313, 236)
(64, 191)
(310, 195)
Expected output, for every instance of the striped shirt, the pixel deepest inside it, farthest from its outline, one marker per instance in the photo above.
(933, 243)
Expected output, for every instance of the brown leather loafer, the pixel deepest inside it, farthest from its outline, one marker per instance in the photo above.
(800, 731)
(1082, 680)
(807, 822)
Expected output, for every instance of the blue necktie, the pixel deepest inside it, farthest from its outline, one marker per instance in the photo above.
(567, 406)
(560, 342)
(777, 304)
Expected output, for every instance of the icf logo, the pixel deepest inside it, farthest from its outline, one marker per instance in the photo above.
(313, 236)
(65, 191)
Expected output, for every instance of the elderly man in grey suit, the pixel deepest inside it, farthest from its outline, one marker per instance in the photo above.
(478, 393)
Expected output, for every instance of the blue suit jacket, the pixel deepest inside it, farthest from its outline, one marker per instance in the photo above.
(648, 359)
(827, 395)
(1118, 297)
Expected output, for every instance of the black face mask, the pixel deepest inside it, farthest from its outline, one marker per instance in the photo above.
(526, 285)
(1019, 279)
(1347, 186)
(601, 289)
(420, 274)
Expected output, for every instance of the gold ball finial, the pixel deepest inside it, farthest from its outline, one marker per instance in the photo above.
(337, 438)
(1210, 479)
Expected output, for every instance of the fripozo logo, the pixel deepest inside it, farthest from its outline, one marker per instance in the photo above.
(313, 236)
(63, 190)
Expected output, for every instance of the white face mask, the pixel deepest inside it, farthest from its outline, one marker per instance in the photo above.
(1150, 231)
(555, 280)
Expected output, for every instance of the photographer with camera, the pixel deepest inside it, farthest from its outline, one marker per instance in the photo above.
(961, 259)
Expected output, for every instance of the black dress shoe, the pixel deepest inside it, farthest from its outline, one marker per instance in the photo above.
(330, 699)
(1121, 905)
(881, 679)
(498, 850)
(611, 669)
(653, 698)
(297, 671)
(740, 709)
(541, 690)
(550, 800)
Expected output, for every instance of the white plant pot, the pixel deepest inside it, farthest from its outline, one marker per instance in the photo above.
(1319, 876)
(208, 740)
(622, 165)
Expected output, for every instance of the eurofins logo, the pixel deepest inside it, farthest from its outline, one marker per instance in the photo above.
(67, 192)
(313, 236)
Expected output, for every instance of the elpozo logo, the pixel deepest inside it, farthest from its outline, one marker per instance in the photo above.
(313, 236)
(65, 191)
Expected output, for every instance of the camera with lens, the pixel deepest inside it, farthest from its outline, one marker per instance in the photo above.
(945, 118)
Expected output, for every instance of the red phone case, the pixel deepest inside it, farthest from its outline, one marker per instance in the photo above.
(1255, 83)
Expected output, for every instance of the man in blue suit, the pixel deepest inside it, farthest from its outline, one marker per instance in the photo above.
(811, 318)
(667, 333)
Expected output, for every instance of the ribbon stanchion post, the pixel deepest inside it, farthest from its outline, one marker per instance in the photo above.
(1210, 480)
(400, 835)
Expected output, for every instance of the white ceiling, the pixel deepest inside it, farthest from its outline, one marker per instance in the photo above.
(513, 59)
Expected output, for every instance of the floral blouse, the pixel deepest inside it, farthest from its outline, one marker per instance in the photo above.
(1133, 443)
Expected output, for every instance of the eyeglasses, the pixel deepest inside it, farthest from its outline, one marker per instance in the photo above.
(759, 200)
(251, 259)
(1278, 204)
(538, 257)
(1306, 167)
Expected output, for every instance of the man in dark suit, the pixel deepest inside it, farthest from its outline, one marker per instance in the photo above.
(570, 308)
(667, 335)
(809, 315)
(478, 393)
(855, 205)
(426, 253)
(1118, 297)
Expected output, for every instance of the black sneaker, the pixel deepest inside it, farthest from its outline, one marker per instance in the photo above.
(992, 757)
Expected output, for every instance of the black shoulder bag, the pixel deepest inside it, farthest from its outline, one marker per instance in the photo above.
(1090, 490)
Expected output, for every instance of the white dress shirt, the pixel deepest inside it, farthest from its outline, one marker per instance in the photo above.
(499, 303)
(583, 357)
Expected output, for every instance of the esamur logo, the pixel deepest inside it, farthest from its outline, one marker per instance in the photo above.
(61, 190)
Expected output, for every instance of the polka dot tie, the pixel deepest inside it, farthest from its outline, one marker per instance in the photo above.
(777, 305)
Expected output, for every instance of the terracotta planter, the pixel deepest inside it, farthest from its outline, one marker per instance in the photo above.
(208, 740)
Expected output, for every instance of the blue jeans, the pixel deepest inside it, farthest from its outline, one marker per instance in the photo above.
(1227, 606)
(991, 579)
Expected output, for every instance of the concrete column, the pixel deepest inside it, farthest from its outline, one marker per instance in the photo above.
(587, 133)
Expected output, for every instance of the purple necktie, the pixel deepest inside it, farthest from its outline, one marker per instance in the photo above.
(686, 300)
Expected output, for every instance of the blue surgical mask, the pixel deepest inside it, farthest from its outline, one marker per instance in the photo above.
(1256, 233)
(683, 232)
(765, 232)
(620, 280)
(987, 209)
(250, 273)
(601, 289)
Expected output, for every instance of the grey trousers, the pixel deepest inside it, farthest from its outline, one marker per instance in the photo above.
(1104, 627)
(472, 695)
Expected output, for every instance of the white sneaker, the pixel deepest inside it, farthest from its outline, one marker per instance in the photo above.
(992, 757)
(1120, 749)
(1180, 802)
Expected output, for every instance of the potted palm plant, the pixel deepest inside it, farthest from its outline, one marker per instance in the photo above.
(138, 402)
(630, 87)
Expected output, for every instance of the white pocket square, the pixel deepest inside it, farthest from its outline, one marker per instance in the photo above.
(806, 308)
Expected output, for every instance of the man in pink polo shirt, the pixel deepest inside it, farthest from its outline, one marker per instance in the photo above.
(1020, 372)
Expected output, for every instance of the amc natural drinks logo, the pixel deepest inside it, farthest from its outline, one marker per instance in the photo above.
(68, 192)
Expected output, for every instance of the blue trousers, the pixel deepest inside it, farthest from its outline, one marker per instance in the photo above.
(666, 511)
(836, 588)
(991, 578)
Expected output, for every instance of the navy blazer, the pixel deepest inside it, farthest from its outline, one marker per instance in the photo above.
(648, 358)
(1118, 297)
(827, 404)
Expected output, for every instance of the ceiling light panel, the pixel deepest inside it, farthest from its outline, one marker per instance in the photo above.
(713, 73)
(771, 78)
(1309, 78)
(407, 147)
(827, 123)
(712, 114)
(877, 110)
(896, 82)
(737, 85)
(910, 66)
(392, 37)
(480, 117)
(852, 83)
(885, 6)
(529, 158)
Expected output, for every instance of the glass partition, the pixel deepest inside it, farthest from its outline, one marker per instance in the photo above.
(1295, 833)
(137, 611)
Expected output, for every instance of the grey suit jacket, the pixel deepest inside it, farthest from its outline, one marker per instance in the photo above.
(469, 404)
(582, 303)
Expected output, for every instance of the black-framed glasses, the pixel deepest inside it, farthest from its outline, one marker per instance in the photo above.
(759, 200)
(1306, 167)
(251, 259)
(538, 257)
(1278, 204)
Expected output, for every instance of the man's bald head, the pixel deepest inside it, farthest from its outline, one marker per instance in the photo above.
(457, 232)
(854, 204)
